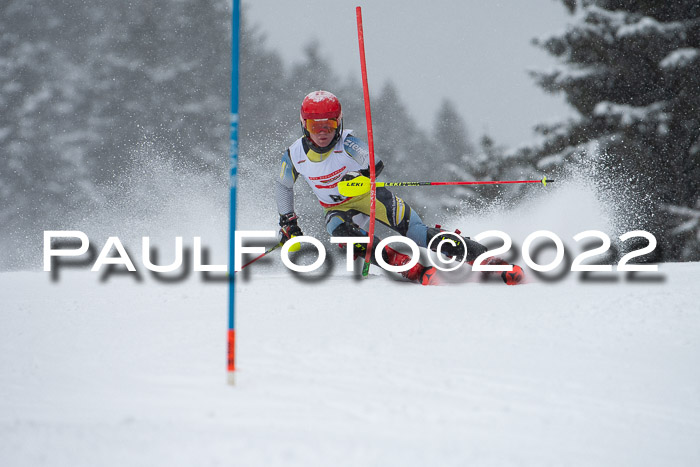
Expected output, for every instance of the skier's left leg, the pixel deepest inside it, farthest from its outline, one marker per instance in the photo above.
(398, 215)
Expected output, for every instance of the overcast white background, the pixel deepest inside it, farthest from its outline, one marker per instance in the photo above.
(475, 52)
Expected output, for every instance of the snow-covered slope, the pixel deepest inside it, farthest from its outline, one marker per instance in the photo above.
(341, 372)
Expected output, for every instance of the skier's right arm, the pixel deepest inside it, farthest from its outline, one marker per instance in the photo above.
(284, 194)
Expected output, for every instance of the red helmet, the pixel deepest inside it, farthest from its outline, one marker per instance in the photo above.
(321, 107)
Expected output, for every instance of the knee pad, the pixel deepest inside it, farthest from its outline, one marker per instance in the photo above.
(349, 229)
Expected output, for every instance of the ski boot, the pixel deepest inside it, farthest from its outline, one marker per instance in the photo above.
(424, 275)
(512, 277)
(474, 250)
(456, 244)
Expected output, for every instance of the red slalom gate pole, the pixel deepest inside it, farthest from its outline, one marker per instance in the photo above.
(368, 115)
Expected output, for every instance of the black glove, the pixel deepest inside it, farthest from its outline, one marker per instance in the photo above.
(289, 227)
(378, 167)
(350, 175)
(364, 172)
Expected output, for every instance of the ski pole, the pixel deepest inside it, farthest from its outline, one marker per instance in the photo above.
(295, 247)
(361, 185)
(269, 250)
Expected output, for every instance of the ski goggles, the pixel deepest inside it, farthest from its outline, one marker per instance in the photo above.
(325, 125)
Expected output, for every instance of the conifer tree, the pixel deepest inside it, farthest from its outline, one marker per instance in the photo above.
(453, 154)
(450, 133)
(632, 71)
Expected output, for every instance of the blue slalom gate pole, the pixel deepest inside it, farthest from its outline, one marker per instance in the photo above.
(233, 182)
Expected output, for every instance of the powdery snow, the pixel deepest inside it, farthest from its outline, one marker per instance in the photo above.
(629, 114)
(345, 372)
(648, 26)
(680, 58)
(336, 371)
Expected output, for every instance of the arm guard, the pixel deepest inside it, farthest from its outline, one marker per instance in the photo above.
(285, 198)
(358, 150)
(284, 185)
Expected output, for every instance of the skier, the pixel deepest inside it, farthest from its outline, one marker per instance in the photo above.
(327, 154)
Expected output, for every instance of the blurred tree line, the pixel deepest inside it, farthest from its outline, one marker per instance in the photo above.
(84, 84)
